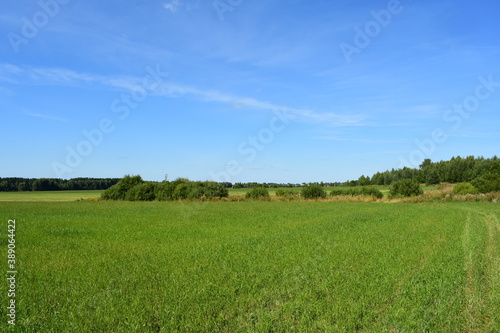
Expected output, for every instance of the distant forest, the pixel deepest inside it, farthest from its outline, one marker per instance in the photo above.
(55, 184)
(456, 170)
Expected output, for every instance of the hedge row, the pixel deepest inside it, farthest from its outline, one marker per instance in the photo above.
(133, 188)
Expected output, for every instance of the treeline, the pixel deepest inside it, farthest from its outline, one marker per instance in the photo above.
(55, 184)
(456, 170)
(134, 188)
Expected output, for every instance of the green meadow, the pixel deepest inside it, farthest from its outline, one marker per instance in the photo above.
(253, 266)
(49, 195)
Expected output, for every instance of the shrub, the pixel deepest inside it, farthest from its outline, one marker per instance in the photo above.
(487, 183)
(313, 191)
(213, 190)
(181, 191)
(141, 192)
(197, 190)
(465, 188)
(405, 187)
(135, 189)
(165, 191)
(257, 193)
(119, 190)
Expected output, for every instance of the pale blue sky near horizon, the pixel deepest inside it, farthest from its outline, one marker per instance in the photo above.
(238, 90)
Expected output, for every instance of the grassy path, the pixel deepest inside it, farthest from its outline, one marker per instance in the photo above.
(481, 242)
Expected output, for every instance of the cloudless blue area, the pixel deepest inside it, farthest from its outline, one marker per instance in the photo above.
(267, 91)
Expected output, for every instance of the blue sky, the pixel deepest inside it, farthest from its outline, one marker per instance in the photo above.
(239, 90)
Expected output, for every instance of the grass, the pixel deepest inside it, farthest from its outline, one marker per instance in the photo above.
(49, 195)
(255, 266)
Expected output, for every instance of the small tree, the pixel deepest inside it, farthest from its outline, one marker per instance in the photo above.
(405, 187)
(257, 193)
(313, 191)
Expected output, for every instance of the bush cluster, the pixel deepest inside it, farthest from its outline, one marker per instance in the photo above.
(133, 188)
(313, 191)
(257, 193)
(465, 188)
(405, 188)
(489, 182)
(119, 190)
(358, 191)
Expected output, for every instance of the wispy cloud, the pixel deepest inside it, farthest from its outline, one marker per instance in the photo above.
(365, 141)
(326, 118)
(173, 6)
(59, 76)
(44, 116)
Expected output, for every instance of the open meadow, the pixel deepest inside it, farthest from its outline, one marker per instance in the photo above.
(87, 266)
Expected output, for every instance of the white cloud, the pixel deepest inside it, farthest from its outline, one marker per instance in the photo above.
(44, 116)
(58, 76)
(173, 6)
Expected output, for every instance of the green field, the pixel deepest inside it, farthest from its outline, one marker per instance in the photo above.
(254, 267)
(49, 195)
